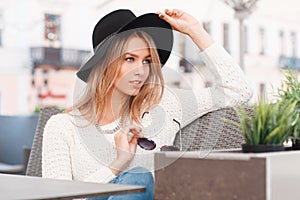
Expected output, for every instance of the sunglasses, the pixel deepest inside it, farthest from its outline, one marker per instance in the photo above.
(148, 144)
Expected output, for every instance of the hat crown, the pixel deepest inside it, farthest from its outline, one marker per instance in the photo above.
(123, 20)
(110, 24)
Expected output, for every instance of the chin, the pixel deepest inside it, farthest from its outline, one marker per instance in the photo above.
(135, 93)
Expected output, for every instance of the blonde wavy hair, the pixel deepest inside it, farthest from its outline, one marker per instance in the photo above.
(100, 83)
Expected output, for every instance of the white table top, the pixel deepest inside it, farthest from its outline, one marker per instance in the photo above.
(27, 187)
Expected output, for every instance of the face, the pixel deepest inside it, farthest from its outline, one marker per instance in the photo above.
(135, 68)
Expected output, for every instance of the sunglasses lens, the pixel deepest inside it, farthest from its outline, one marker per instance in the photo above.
(146, 144)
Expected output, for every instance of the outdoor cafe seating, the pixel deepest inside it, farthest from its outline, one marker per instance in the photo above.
(207, 132)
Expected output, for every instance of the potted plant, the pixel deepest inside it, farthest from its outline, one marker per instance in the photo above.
(268, 127)
(290, 90)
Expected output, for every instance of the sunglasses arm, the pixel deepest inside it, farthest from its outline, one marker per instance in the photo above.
(180, 137)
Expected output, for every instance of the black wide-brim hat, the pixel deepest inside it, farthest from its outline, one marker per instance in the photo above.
(121, 21)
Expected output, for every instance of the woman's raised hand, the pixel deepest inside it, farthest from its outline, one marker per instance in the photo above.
(180, 20)
(189, 25)
(126, 147)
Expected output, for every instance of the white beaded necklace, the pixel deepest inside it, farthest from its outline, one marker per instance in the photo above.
(109, 131)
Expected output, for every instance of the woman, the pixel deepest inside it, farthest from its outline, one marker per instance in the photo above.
(125, 100)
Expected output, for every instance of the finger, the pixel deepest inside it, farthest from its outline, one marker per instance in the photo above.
(166, 13)
(119, 134)
(136, 135)
(169, 12)
(132, 135)
(133, 141)
(177, 12)
(126, 131)
(134, 129)
(174, 12)
(119, 137)
(122, 134)
(166, 17)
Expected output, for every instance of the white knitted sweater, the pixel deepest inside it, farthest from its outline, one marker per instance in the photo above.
(84, 154)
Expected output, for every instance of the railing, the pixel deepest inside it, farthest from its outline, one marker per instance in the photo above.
(289, 62)
(58, 57)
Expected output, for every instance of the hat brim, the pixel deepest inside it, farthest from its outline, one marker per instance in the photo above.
(160, 31)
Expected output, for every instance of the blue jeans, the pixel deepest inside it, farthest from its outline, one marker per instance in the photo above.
(134, 176)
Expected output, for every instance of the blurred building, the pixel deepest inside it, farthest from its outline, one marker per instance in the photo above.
(43, 43)
(271, 41)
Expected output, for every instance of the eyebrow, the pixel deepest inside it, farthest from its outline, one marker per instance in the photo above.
(135, 55)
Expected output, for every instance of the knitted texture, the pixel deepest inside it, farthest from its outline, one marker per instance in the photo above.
(84, 154)
(34, 167)
(211, 131)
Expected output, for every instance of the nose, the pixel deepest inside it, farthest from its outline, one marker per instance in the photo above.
(140, 70)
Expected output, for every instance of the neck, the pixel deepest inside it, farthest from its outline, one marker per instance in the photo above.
(113, 108)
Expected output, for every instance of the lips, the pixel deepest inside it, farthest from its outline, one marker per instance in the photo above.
(136, 83)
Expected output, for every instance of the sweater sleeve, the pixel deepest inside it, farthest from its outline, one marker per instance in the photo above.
(230, 86)
(56, 159)
(102, 175)
(57, 154)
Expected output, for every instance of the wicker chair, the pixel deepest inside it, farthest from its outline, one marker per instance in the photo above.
(34, 166)
(205, 133)
(211, 131)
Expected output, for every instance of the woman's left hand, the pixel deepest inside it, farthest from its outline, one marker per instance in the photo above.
(189, 25)
(180, 20)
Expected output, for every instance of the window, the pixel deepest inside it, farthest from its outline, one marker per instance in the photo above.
(293, 44)
(281, 43)
(226, 37)
(52, 29)
(0, 38)
(206, 26)
(262, 41)
(1, 26)
(245, 39)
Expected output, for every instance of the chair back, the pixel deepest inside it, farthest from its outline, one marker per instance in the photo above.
(34, 167)
(211, 131)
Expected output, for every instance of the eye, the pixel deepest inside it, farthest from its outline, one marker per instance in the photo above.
(129, 59)
(147, 61)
